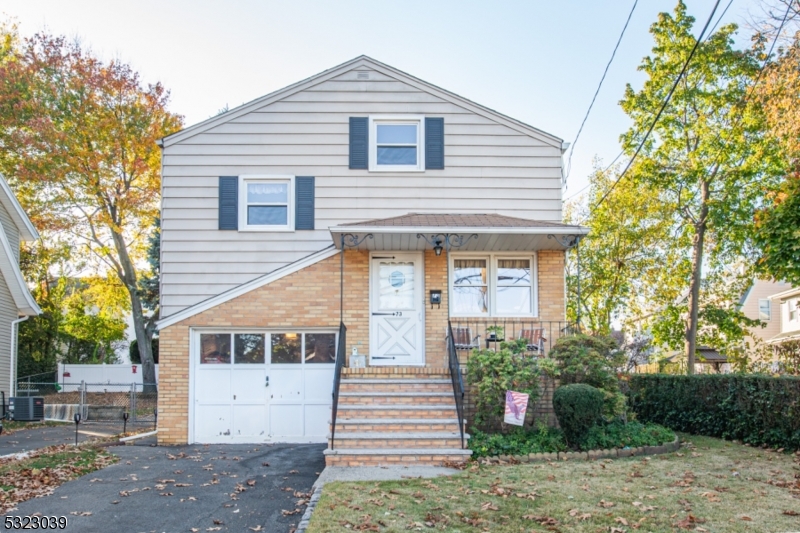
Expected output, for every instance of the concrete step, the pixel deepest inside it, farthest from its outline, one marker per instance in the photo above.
(395, 456)
(397, 412)
(361, 425)
(395, 385)
(393, 398)
(397, 440)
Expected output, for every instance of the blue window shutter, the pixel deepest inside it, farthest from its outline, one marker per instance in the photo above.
(229, 202)
(434, 143)
(304, 202)
(359, 142)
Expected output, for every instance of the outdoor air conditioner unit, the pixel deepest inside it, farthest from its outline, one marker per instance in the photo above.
(26, 408)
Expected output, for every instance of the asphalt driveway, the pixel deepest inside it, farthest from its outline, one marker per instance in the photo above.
(233, 487)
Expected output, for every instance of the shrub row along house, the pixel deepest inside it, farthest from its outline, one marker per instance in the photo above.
(363, 214)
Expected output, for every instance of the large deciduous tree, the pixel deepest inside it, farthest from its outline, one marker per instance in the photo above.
(78, 140)
(707, 155)
(622, 259)
(778, 223)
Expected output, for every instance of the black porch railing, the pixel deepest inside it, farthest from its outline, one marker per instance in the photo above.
(337, 376)
(488, 333)
(456, 378)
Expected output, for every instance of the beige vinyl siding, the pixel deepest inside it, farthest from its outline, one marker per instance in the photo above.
(8, 313)
(762, 290)
(490, 167)
(12, 233)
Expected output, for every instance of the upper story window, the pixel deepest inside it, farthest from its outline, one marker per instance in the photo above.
(396, 143)
(793, 309)
(764, 309)
(265, 203)
(493, 285)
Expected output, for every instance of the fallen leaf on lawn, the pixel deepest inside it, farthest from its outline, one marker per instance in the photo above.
(620, 520)
(791, 513)
(606, 504)
(747, 519)
(489, 506)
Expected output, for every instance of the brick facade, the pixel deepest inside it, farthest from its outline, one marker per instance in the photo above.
(309, 298)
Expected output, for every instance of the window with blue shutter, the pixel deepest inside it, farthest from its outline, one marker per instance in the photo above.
(229, 202)
(359, 142)
(304, 202)
(434, 143)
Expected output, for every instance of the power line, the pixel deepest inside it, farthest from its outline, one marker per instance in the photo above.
(602, 79)
(663, 106)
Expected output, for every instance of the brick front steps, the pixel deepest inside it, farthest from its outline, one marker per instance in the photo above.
(392, 416)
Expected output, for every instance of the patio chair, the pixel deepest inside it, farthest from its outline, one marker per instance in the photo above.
(463, 339)
(535, 338)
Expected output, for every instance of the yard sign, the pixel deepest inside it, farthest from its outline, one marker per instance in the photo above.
(516, 405)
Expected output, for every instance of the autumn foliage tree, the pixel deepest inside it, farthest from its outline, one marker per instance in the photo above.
(78, 141)
(708, 155)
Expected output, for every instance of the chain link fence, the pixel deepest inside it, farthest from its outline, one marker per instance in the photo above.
(95, 402)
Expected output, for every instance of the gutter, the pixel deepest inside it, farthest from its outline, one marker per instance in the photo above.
(12, 371)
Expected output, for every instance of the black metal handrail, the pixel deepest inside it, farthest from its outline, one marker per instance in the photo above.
(457, 379)
(337, 376)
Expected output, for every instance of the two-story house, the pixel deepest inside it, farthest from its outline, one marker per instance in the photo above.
(16, 302)
(356, 213)
(789, 317)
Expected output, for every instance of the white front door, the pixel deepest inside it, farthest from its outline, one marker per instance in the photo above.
(396, 308)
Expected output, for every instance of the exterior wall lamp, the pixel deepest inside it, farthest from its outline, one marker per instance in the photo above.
(437, 249)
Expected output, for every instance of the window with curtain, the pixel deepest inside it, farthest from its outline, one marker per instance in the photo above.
(514, 287)
(470, 287)
(493, 286)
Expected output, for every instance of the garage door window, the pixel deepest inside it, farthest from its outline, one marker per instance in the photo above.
(215, 349)
(320, 347)
(249, 349)
(286, 348)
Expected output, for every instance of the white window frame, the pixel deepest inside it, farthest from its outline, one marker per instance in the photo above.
(793, 306)
(417, 120)
(769, 309)
(491, 278)
(244, 180)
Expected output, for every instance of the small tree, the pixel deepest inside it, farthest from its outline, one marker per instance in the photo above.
(78, 141)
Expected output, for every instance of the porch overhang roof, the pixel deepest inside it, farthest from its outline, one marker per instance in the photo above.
(479, 232)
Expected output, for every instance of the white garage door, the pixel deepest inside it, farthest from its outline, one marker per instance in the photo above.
(262, 386)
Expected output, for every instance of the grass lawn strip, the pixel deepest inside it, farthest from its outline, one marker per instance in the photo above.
(12, 426)
(43, 470)
(709, 485)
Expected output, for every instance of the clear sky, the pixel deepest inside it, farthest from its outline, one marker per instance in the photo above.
(537, 61)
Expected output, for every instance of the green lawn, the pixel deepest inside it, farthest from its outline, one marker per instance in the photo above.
(710, 485)
(12, 426)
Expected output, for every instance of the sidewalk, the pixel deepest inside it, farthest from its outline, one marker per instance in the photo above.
(23, 440)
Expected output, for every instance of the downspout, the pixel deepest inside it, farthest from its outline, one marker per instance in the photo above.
(12, 386)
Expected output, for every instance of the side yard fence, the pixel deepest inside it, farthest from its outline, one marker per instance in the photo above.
(95, 401)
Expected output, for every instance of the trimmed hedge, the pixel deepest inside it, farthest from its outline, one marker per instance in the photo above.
(758, 410)
(578, 407)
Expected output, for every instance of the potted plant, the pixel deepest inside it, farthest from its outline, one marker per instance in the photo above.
(495, 334)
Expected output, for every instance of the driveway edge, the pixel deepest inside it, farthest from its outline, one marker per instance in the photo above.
(312, 503)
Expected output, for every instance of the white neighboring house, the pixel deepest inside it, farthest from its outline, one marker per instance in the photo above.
(789, 316)
(16, 302)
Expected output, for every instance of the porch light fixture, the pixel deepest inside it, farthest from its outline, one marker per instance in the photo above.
(437, 249)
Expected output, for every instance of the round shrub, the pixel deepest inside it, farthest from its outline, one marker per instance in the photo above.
(578, 408)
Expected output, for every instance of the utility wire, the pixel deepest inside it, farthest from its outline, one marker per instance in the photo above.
(602, 79)
(663, 106)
